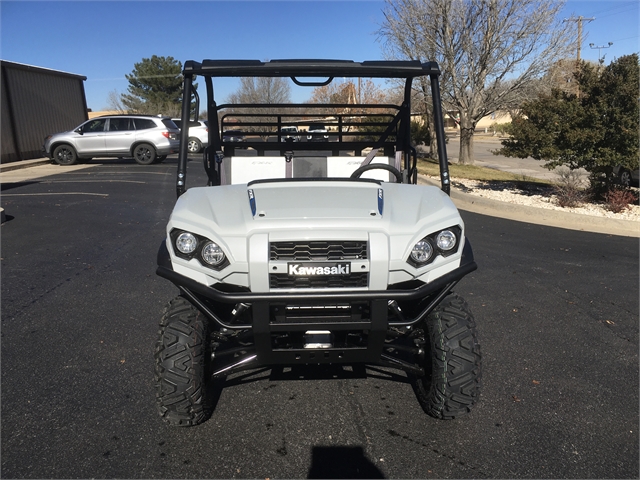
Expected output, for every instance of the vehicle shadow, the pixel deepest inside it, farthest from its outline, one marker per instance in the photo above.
(8, 186)
(341, 462)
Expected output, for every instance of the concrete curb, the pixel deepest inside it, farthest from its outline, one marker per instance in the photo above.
(540, 216)
(8, 167)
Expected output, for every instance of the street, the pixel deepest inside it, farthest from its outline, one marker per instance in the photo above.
(557, 313)
(483, 147)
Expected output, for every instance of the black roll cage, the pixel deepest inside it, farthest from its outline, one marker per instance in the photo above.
(394, 136)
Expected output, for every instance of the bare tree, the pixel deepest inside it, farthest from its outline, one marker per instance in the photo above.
(366, 91)
(262, 90)
(491, 52)
(114, 102)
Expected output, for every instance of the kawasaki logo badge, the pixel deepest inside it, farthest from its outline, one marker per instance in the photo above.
(317, 269)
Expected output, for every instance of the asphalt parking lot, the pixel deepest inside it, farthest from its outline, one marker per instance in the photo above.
(557, 311)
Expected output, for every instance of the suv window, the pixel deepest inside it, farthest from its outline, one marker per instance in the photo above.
(120, 124)
(316, 126)
(94, 126)
(169, 123)
(144, 123)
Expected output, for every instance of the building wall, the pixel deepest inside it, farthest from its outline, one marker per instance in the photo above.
(37, 102)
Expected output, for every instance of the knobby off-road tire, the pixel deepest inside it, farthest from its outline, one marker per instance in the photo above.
(183, 372)
(452, 361)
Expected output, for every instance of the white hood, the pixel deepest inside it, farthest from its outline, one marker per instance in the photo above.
(241, 209)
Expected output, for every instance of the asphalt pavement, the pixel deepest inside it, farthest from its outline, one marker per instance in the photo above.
(557, 314)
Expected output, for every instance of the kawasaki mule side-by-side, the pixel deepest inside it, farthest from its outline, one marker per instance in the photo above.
(323, 250)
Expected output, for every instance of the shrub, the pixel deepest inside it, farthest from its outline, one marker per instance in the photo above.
(618, 199)
(568, 190)
(501, 129)
(420, 133)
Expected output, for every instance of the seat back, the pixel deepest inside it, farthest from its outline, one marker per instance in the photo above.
(245, 169)
(345, 166)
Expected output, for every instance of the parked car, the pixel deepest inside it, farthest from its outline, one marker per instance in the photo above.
(198, 134)
(317, 133)
(626, 176)
(290, 133)
(233, 136)
(146, 138)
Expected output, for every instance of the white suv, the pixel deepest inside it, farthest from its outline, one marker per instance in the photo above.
(290, 133)
(317, 133)
(146, 138)
(198, 134)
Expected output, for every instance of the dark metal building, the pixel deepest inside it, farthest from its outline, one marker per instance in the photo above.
(37, 102)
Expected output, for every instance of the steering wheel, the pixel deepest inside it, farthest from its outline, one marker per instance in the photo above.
(372, 166)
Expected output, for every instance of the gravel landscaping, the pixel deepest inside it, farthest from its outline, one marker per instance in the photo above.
(537, 196)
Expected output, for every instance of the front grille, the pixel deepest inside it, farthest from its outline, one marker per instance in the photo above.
(353, 280)
(318, 250)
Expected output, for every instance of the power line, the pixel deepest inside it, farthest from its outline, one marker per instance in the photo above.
(626, 7)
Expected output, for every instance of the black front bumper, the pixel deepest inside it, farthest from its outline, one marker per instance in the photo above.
(266, 322)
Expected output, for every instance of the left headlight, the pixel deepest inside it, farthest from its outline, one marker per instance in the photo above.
(188, 245)
(441, 243)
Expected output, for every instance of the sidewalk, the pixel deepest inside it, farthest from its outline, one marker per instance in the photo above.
(484, 144)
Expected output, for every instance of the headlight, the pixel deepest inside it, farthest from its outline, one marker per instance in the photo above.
(422, 251)
(188, 246)
(186, 243)
(212, 254)
(442, 243)
(446, 240)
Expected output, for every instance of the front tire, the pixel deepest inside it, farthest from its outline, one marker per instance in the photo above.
(65, 155)
(144, 154)
(183, 357)
(452, 361)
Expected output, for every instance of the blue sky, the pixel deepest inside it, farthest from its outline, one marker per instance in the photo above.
(102, 40)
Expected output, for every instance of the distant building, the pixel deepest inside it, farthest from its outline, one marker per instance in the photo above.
(37, 102)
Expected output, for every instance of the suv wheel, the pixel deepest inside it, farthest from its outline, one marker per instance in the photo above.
(183, 365)
(144, 154)
(65, 155)
(625, 177)
(452, 365)
(194, 145)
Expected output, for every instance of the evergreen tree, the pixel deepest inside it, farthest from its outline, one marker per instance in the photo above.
(155, 87)
(595, 130)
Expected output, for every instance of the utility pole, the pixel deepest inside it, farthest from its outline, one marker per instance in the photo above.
(579, 21)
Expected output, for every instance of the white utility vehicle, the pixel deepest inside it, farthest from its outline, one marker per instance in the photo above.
(307, 253)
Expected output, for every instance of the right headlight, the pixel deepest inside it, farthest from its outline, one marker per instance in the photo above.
(188, 245)
(441, 243)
